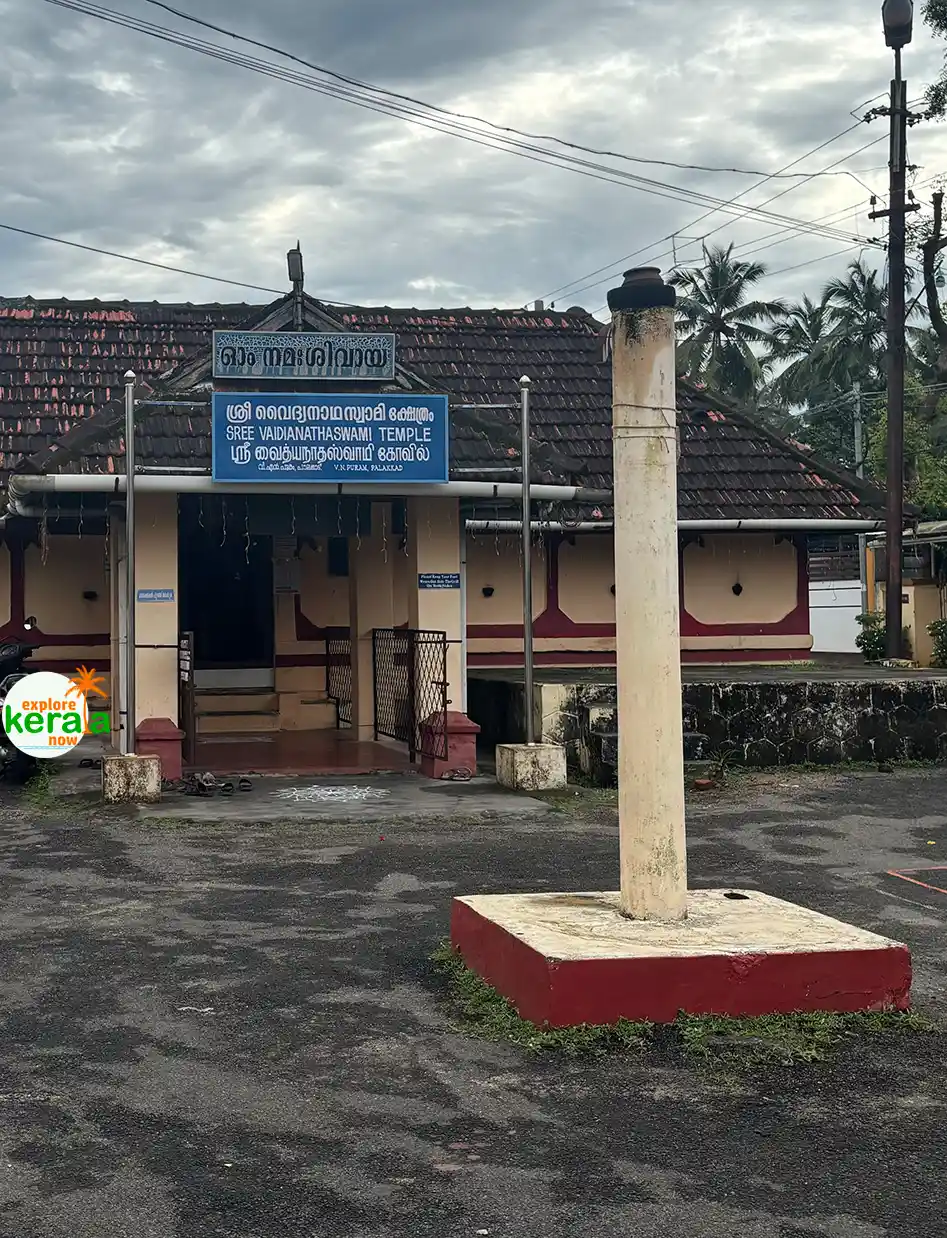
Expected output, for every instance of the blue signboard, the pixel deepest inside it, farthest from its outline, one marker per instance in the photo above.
(304, 355)
(329, 438)
(438, 580)
(155, 595)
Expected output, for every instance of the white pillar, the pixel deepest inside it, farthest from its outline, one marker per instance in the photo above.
(371, 605)
(647, 624)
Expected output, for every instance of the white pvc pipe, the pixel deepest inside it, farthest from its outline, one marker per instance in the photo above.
(20, 486)
(705, 526)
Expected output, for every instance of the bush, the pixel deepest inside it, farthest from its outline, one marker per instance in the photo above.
(871, 639)
(938, 630)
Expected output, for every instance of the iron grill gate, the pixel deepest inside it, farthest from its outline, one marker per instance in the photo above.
(410, 689)
(339, 677)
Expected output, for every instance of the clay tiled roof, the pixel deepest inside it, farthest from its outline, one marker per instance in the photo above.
(61, 365)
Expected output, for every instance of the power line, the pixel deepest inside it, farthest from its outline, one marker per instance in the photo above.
(480, 120)
(749, 248)
(741, 214)
(595, 171)
(161, 266)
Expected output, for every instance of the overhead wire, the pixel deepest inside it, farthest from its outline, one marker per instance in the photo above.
(162, 266)
(808, 177)
(596, 171)
(750, 248)
(480, 120)
(609, 268)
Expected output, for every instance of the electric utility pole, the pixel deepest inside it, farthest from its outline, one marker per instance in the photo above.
(898, 19)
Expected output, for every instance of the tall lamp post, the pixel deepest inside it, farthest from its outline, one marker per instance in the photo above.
(898, 19)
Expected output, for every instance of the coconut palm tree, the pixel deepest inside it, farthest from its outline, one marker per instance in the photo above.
(798, 342)
(723, 328)
(856, 307)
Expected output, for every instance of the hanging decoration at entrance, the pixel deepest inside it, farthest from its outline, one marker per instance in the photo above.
(304, 355)
(329, 438)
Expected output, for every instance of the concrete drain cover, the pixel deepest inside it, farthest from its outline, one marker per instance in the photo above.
(318, 794)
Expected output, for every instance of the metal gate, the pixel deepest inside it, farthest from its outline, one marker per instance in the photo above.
(409, 668)
(187, 710)
(339, 677)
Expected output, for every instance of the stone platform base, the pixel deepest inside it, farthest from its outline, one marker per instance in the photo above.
(531, 767)
(131, 779)
(567, 959)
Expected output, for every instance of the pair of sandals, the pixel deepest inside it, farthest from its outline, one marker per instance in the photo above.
(206, 786)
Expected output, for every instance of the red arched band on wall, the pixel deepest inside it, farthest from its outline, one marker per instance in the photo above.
(796, 623)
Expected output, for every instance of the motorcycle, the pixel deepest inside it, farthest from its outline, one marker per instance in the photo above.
(15, 766)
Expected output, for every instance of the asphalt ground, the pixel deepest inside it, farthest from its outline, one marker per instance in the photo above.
(230, 1028)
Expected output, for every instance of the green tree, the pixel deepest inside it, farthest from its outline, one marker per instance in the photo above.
(925, 466)
(934, 13)
(827, 348)
(855, 346)
(723, 327)
(798, 340)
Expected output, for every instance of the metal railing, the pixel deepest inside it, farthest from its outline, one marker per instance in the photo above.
(409, 673)
(339, 677)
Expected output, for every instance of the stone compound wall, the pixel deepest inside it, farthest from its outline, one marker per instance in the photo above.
(758, 723)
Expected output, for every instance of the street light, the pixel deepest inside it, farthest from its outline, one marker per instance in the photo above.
(898, 19)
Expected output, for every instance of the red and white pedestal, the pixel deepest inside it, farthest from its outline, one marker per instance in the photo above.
(567, 959)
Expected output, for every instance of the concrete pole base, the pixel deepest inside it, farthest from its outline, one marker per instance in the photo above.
(531, 767)
(568, 959)
(131, 779)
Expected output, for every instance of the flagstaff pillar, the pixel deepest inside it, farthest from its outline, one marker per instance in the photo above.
(647, 624)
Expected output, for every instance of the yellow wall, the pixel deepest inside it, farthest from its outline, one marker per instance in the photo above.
(586, 576)
(496, 562)
(53, 594)
(324, 600)
(767, 571)
(922, 607)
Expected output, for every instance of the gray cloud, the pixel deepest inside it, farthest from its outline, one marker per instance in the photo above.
(117, 140)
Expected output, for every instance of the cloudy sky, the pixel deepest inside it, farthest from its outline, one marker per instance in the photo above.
(118, 140)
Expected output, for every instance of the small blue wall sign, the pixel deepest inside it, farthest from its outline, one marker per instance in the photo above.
(155, 595)
(352, 356)
(293, 438)
(439, 580)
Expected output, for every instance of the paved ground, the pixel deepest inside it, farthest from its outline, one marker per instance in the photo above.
(230, 1030)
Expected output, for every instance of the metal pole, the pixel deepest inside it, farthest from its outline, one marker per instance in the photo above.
(896, 348)
(860, 471)
(130, 594)
(526, 534)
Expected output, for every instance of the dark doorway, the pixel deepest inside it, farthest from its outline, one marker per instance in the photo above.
(226, 586)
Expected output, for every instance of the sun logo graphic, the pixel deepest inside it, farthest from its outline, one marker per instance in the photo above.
(46, 715)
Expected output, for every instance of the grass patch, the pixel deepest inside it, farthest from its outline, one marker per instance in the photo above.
(788, 1040)
(774, 1040)
(39, 792)
(482, 1011)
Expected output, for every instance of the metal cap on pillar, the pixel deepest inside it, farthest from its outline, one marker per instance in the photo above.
(642, 288)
